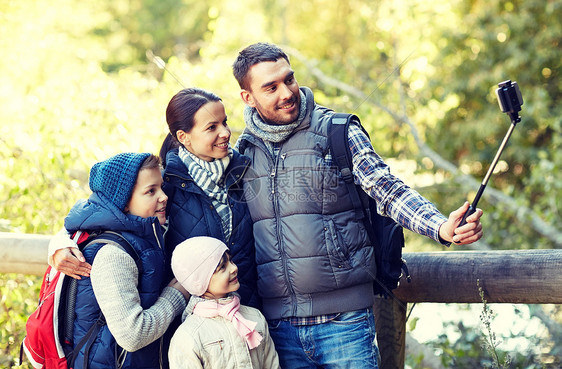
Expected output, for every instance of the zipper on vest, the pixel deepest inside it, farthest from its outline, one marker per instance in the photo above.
(156, 234)
(278, 231)
(283, 156)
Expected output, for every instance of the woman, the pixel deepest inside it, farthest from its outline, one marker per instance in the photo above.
(203, 181)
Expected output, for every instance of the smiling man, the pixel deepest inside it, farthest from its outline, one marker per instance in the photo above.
(315, 261)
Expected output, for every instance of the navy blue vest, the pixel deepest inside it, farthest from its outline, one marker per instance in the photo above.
(191, 213)
(146, 241)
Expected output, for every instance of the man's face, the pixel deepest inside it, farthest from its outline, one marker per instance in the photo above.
(273, 91)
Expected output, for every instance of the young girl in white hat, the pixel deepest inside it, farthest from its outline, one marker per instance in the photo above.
(217, 332)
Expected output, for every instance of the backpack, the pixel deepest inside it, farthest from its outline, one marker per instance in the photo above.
(49, 329)
(384, 233)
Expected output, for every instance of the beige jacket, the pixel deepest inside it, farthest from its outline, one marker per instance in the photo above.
(214, 343)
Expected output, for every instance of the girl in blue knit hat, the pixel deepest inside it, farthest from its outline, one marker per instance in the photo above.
(136, 297)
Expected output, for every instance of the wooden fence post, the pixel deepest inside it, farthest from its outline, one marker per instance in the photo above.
(390, 322)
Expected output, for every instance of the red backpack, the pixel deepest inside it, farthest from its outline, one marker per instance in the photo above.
(41, 344)
(48, 341)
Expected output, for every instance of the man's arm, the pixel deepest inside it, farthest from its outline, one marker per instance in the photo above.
(402, 203)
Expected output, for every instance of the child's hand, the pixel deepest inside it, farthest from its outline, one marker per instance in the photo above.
(71, 262)
(177, 285)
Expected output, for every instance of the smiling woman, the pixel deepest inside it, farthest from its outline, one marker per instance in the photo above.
(209, 137)
(203, 179)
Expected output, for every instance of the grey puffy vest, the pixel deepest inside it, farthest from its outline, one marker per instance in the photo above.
(313, 256)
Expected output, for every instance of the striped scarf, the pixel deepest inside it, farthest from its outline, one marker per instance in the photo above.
(209, 176)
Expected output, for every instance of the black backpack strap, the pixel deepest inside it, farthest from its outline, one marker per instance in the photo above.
(86, 342)
(117, 239)
(338, 141)
(382, 231)
(107, 237)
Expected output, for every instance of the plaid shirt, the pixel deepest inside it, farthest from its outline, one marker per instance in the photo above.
(394, 198)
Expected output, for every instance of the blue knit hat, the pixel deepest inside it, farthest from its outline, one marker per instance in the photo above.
(115, 177)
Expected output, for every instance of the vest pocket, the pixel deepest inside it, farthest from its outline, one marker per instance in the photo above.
(338, 251)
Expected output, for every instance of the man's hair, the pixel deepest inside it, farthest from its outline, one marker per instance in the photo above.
(254, 54)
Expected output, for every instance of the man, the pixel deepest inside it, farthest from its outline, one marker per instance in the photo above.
(315, 261)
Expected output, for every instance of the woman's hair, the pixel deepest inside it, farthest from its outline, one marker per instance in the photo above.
(168, 144)
(180, 114)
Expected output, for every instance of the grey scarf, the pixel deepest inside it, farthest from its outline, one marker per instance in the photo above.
(272, 133)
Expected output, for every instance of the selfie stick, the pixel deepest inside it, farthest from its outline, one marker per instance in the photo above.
(510, 101)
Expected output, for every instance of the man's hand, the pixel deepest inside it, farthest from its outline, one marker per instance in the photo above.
(71, 262)
(468, 233)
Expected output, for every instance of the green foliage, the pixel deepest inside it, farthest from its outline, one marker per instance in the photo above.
(18, 299)
(490, 340)
(166, 27)
(490, 45)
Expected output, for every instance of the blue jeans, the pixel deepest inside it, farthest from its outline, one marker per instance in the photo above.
(348, 341)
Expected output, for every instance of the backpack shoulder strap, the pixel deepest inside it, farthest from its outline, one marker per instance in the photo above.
(118, 239)
(383, 232)
(107, 237)
(338, 141)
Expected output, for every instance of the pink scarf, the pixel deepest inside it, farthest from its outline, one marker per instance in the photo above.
(244, 327)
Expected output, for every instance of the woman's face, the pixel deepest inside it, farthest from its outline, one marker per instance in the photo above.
(210, 135)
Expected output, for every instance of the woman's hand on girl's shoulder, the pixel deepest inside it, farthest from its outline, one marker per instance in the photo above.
(71, 262)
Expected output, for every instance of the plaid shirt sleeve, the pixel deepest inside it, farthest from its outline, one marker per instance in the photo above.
(394, 198)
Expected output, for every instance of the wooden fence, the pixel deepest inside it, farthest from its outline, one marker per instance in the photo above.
(512, 276)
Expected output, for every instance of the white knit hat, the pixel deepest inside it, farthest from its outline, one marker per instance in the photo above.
(195, 260)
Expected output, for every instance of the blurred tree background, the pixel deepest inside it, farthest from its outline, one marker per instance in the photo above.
(83, 80)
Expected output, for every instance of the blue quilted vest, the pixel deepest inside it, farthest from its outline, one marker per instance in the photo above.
(146, 238)
(191, 213)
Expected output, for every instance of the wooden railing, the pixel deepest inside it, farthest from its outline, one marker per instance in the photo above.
(512, 276)
(23, 253)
